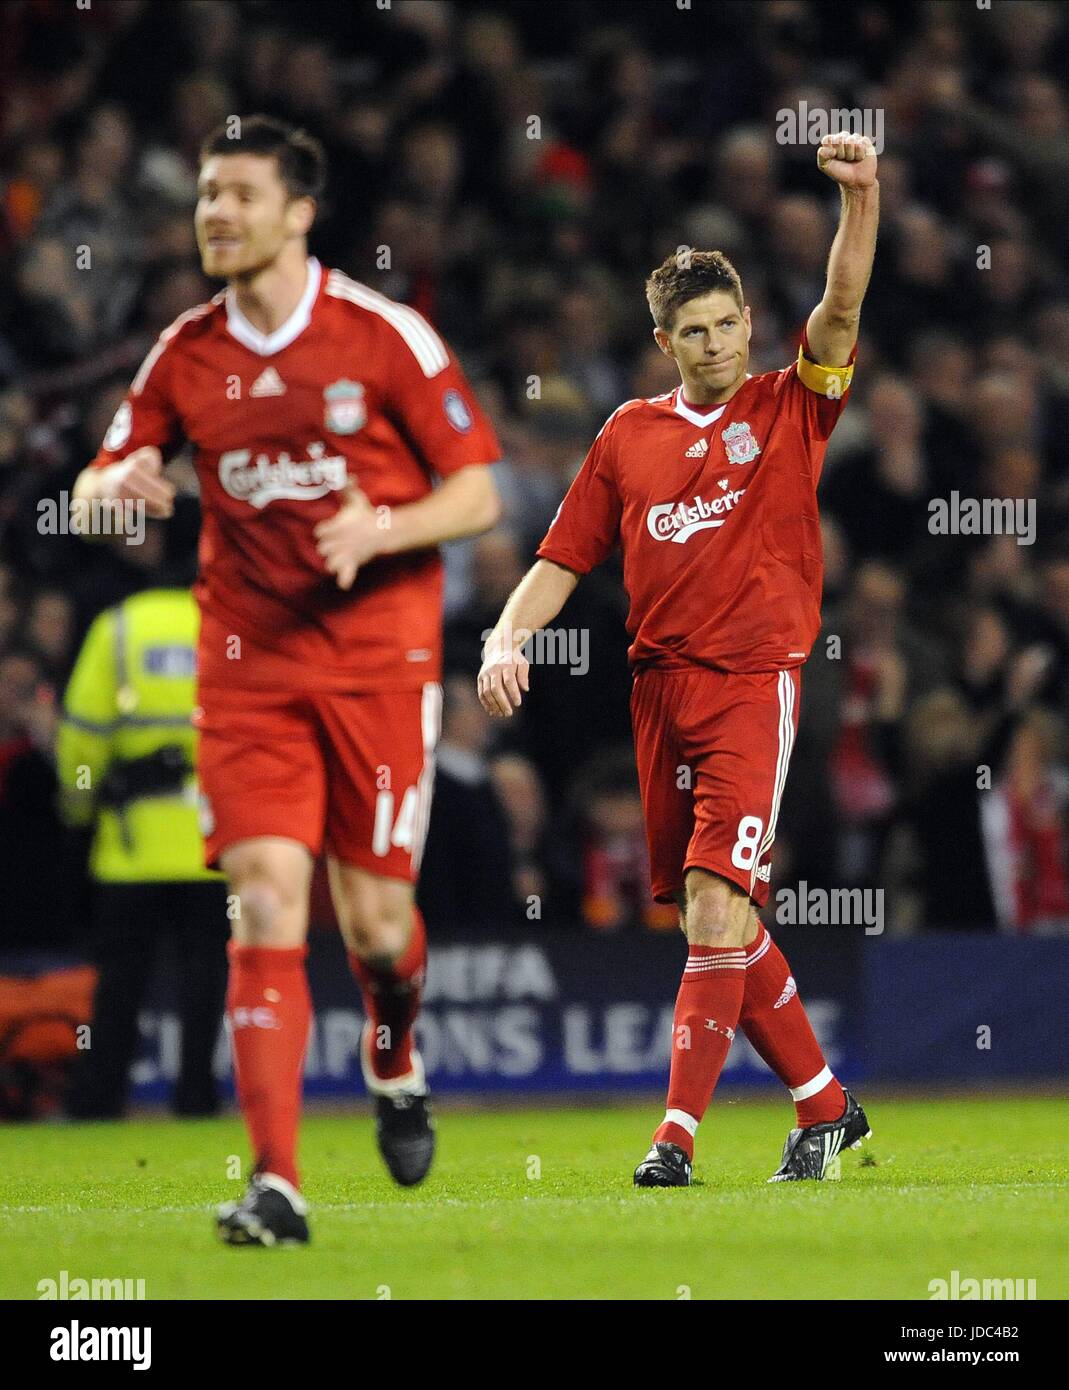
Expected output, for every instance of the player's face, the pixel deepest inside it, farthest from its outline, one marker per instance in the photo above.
(710, 341)
(245, 215)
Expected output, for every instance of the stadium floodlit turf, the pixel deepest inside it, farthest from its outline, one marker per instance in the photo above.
(539, 1204)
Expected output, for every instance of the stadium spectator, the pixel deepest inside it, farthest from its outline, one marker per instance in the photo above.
(125, 773)
(982, 787)
(615, 861)
(884, 665)
(49, 630)
(37, 860)
(889, 478)
(1028, 824)
(466, 878)
(545, 869)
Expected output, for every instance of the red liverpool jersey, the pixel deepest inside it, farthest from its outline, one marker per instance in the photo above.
(353, 387)
(715, 510)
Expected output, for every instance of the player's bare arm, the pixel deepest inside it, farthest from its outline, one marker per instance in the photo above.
(464, 504)
(138, 477)
(536, 601)
(833, 325)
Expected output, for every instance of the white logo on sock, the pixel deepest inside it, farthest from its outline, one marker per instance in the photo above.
(260, 1017)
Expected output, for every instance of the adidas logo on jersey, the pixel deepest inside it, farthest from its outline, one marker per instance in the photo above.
(268, 383)
(697, 451)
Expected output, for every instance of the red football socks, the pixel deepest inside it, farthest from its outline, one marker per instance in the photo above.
(775, 1022)
(391, 1002)
(269, 1009)
(706, 1016)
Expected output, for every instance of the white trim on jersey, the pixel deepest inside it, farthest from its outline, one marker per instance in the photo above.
(633, 401)
(420, 338)
(694, 416)
(145, 370)
(266, 344)
(431, 723)
(785, 691)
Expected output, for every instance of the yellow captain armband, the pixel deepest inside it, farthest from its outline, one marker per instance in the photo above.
(831, 382)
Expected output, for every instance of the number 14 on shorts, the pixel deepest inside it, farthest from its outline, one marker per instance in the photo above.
(400, 833)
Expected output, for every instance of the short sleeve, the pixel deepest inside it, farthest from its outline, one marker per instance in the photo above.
(430, 398)
(147, 414)
(587, 524)
(815, 395)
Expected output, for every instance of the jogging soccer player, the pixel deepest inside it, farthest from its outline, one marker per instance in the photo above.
(321, 414)
(710, 491)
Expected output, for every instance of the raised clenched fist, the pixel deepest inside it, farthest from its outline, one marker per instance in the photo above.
(848, 159)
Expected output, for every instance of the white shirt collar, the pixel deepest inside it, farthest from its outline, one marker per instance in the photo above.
(265, 344)
(695, 417)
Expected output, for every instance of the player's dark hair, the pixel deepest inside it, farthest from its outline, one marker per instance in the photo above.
(686, 274)
(302, 165)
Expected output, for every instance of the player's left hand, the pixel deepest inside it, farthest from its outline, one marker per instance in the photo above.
(848, 159)
(350, 538)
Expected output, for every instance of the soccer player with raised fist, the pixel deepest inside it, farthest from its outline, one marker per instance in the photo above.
(321, 414)
(711, 493)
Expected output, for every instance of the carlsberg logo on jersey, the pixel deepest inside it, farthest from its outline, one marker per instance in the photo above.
(261, 480)
(678, 521)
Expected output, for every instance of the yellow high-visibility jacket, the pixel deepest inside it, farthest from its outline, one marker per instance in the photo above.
(132, 691)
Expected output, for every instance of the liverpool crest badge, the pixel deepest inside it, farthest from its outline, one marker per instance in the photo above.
(739, 443)
(344, 410)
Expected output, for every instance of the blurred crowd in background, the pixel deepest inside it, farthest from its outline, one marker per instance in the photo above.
(527, 165)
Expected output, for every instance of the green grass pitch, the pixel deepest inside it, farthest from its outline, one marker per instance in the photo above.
(538, 1204)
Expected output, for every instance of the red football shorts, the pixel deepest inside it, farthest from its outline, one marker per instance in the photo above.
(712, 749)
(351, 774)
